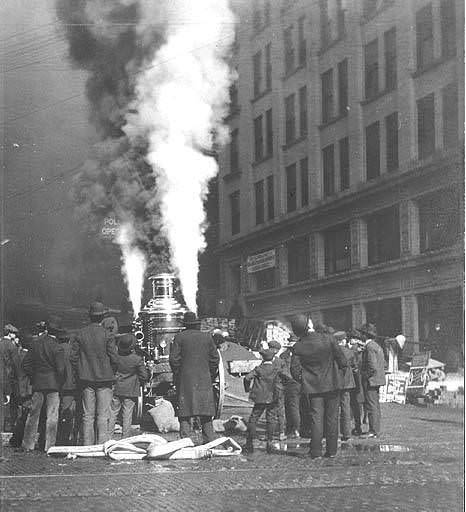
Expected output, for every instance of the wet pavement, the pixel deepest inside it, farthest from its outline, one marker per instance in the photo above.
(416, 465)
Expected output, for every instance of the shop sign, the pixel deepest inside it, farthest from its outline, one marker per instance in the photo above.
(394, 389)
(261, 261)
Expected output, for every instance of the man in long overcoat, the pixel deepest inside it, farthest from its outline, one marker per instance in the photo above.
(321, 360)
(194, 361)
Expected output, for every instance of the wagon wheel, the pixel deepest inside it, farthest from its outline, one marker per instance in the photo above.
(219, 387)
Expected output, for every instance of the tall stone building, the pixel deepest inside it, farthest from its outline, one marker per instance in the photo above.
(341, 191)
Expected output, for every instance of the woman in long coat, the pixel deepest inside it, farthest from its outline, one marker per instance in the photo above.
(194, 361)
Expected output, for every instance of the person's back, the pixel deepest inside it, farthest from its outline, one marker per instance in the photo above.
(373, 364)
(264, 382)
(130, 373)
(44, 363)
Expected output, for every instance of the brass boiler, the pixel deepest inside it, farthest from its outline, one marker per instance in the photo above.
(159, 321)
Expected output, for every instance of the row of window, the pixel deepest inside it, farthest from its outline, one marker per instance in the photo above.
(439, 226)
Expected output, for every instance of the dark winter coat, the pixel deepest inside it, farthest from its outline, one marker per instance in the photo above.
(8, 366)
(69, 384)
(44, 364)
(194, 361)
(373, 364)
(93, 355)
(347, 373)
(267, 381)
(131, 373)
(358, 391)
(321, 359)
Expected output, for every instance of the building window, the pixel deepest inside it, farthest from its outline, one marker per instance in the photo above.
(325, 30)
(303, 165)
(328, 163)
(259, 196)
(258, 139)
(448, 28)
(339, 318)
(298, 260)
(256, 17)
(340, 20)
(337, 248)
(344, 164)
(269, 132)
(343, 87)
(385, 315)
(450, 116)
(265, 279)
(440, 220)
(268, 67)
(291, 188)
(371, 52)
(372, 151)
(301, 43)
(426, 126)
(235, 213)
(289, 50)
(270, 198)
(424, 37)
(267, 13)
(233, 97)
(303, 111)
(327, 96)
(370, 7)
(290, 120)
(234, 151)
(257, 73)
(390, 59)
(391, 141)
(383, 236)
(235, 280)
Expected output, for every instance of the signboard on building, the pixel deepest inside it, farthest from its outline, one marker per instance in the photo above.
(261, 261)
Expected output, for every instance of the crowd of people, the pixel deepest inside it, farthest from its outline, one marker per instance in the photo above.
(321, 386)
(71, 389)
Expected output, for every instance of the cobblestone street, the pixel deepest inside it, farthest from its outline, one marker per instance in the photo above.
(416, 465)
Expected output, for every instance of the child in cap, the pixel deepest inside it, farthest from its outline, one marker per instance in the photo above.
(262, 386)
(130, 375)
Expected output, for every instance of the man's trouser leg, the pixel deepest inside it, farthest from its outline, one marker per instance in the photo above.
(292, 407)
(104, 397)
(355, 410)
(272, 413)
(66, 419)
(88, 401)
(127, 415)
(316, 403)
(185, 426)
(32, 421)
(51, 424)
(373, 408)
(207, 428)
(305, 413)
(256, 413)
(115, 407)
(345, 414)
(280, 412)
(331, 402)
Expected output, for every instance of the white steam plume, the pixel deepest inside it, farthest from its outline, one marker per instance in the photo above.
(182, 97)
(134, 265)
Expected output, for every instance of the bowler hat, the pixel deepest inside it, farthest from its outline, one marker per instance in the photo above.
(368, 330)
(299, 324)
(96, 309)
(126, 343)
(190, 319)
(10, 329)
(267, 355)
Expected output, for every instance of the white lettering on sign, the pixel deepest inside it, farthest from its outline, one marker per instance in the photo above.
(110, 228)
(261, 261)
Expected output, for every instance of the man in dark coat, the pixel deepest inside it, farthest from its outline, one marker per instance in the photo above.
(45, 367)
(194, 361)
(93, 359)
(320, 358)
(373, 376)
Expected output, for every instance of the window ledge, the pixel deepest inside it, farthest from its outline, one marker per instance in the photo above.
(233, 113)
(333, 120)
(377, 96)
(256, 163)
(331, 44)
(232, 175)
(293, 71)
(285, 147)
(432, 65)
(261, 95)
(373, 14)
